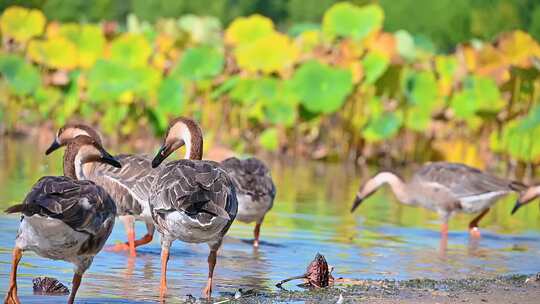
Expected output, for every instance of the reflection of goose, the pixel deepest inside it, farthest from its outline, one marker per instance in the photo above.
(64, 218)
(254, 188)
(526, 197)
(445, 188)
(191, 200)
(128, 186)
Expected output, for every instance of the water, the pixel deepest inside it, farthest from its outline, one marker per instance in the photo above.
(381, 239)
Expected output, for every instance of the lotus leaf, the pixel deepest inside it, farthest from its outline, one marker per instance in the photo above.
(55, 52)
(170, 96)
(200, 63)
(22, 24)
(251, 90)
(405, 45)
(22, 77)
(347, 20)
(248, 29)
(110, 81)
(88, 39)
(131, 50)
(382, 127)
(271, 53)
(113, 118)
(269, 140)
(374, 65)
(478, 94)
(321, 88)
(203, 30)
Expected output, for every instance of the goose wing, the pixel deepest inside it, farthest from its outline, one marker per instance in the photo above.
(250, 176)
(201, 189)
(463, 181)
(130, 185)
(82, 205)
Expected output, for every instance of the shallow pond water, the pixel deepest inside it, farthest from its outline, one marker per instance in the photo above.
(381, 240)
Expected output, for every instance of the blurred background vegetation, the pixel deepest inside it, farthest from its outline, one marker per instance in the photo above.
(384, 81)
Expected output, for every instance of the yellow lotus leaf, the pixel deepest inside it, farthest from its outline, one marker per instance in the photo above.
(164, 43)
(132, 50)
(248, 29)
(308, 40)
(518, 48)
(460, 151)
(470, 56)
(56, 53)
(87, 38)
(22, 24)
(272, 53)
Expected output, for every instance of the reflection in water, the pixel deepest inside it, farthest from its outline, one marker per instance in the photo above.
(382, 239)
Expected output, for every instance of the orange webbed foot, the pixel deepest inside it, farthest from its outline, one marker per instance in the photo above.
(475, 232)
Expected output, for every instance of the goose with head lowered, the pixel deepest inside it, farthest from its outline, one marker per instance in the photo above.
(255, 190)
(191, 200)
(445, 188)
(64, 217)
(129, 186)
(527, 196)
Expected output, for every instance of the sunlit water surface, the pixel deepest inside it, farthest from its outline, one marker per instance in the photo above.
(381, 240)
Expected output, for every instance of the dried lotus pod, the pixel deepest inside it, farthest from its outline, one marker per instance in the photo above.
(46, 285)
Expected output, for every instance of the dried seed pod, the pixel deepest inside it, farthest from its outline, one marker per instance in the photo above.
(46, 285)
(317, 272)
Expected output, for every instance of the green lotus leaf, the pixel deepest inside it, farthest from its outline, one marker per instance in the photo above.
(405, 45)
(251, 90)
(225, 87)
(22, 24)
(271, 53)
(321, 88)
(131, 50)
(88, 39)
(280, 106)
(113, 118)
(55, 52)
(47, 98)
(171, 96)
(374, 65)
(347, 20)
(382, 127)
(269, 139)
(203, 30)
(110, 80)
(22, 77)
(248, 29)
(421, 89)
(478, 94)
(446, 66)
(200, 63)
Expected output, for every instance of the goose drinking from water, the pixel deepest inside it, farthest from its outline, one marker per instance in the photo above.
(129, 186)
(527, 196)
(191, 200)
(445, 188)
(65, 218)
(255, 190)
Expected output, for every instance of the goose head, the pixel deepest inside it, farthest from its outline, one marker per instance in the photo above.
(182, 131)
(69, 132)
(526, 197)
(84, 149)
(374, 183)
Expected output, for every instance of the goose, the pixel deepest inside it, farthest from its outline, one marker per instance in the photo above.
(191, 200)
(64, 217)
(445, 188)
(527, 196)
(255, 190)
(128, 186)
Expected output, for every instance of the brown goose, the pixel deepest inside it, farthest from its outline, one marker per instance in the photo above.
(445, 188)
(255, 190)
(64, 218)
(527, 196)
(191, 200)
(128, 186)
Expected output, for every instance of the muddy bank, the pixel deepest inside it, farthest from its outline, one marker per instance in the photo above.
(506, 289)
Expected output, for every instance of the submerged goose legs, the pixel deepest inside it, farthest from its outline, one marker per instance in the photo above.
(473, 225)
(129, 225)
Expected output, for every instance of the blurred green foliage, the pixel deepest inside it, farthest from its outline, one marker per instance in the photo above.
(343, 82)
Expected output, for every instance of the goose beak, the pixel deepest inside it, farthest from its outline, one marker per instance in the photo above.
(55, 145)
(161, 155)
(109, 159)
(516, 207)
(357, 202)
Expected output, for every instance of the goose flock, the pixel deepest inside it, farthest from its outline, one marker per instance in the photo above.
(70, 217)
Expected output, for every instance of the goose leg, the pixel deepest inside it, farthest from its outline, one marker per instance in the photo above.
(444, 229)
(473, 225)
(11, 297)
(147, 238)
(74, 287)
(256, 232)
(212, 257)
(130, 230)
(164, 260)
